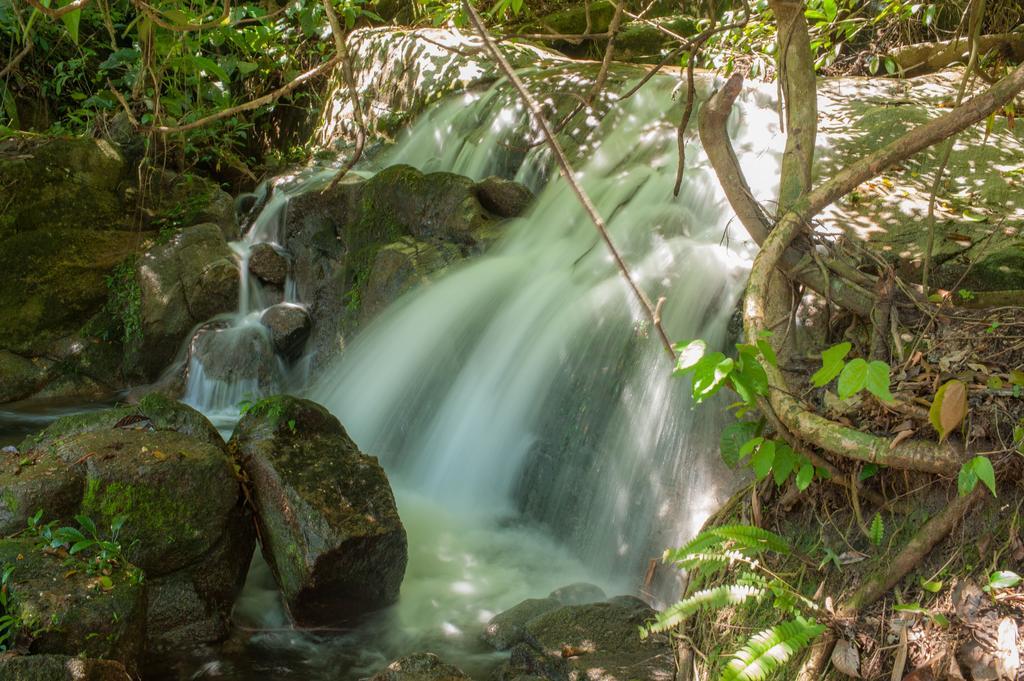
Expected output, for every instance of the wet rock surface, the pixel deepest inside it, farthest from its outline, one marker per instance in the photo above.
(238, 354)
(328, 522)
(589, 640)
(289, 326)
(420, 667)
(266, 263)
(503, 197)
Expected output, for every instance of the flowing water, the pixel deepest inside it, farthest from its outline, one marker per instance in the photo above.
(520, 403)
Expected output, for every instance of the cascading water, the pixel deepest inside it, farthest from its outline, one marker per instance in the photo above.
(524, 387)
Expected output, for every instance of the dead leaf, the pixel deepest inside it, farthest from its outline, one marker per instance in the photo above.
(846, 659)
(851, 557)
(949, 407)
(900, 437)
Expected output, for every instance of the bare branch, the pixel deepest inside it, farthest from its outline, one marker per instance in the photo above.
(341, 54)
(158, 18)
(60, 11)
(565, 168)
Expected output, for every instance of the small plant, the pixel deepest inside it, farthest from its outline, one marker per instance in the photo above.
(84, 546)
(745, 375)
(124, 304)
(743, 547)
(854, 376)
(10, 618)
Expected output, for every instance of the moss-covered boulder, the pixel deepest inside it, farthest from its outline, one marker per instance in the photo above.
(163, 470)
(183, 282)
(503, 197)
(60, 668)
(328, 522)
(599, 641)
(420, 667)
(64, 611)
(19, 377)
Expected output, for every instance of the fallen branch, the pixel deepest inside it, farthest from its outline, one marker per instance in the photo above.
(567, 173)
(927, 57)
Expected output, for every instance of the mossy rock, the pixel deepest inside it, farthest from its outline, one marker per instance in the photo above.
(61, 668)
(34, 481)
(68, 612)
(60, 183)
(19, 377)
(328, 522)
(162, 412)
(53, 280)
(420, 667)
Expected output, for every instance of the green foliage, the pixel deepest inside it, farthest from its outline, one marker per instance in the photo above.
(854, 376)
(124, 305)
(10, 616)
(86, 548)
(978, 468)
(745, 375)
(877, 531)
(1002, 579)
(767, 650)
(721, 548)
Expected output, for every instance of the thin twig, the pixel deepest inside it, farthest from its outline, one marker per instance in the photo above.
(567, 172)
(341, 53)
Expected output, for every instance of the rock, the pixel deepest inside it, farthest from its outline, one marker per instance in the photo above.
(289, 326)
(598, 641)
(61, 668)
(508, 628)
(328, 522)
(399, 267)
(66, 612)
(19, 377)
(420, 667)
(581, 593)
(181, 283)
(165, 468)
(503, 197)
(268, 265)
(238, 354)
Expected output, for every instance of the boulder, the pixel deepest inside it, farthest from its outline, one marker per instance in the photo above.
(508, 628)
(266, 263)
(420, 667)
(580, 593)
(289, 326)
(61, 668)
(69, 612)
(163, 471)
(399, 267)
(599, 641)
(181, 283)
(238, 354)
(328, 523)
(503, 197)
(19, 377)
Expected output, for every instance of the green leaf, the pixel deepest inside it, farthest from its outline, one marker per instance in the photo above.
(804, 476)
(768, 352)
(869, 471)
(689, 353)
(930, 586)
(853, 378)
(966, 480)
(709, 375)
(785, 462)
(877, 530)
(763, 459)
(751, 538)
(86, 524)
(830, 9)
(983, 469)
(80, 546)
(71, 21)
(878, 380)
(1003, 579)
(832, 361)
(733, 437)
(767, 650)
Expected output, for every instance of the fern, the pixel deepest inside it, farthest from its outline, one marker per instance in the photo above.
(709, 561)
(718, 597)
(752, 538)
(767, 650)
(877, 530)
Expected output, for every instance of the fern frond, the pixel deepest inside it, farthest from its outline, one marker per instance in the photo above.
(718, 597)
(752, 538)
(699, 544)
(767, 650)
(709, 561)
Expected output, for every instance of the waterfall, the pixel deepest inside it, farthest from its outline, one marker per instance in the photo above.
(527, 380)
